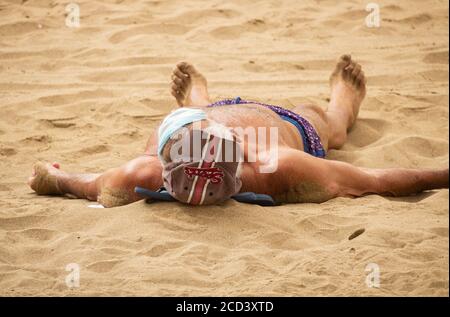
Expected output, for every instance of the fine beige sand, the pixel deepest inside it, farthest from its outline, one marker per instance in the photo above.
(88, 98)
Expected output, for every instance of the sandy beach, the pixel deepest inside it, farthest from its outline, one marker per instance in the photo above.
(89, 96)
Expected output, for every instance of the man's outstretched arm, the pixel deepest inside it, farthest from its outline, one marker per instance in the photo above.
(303, 178)
(112, 188)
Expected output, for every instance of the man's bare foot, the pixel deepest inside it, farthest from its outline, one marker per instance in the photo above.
(348, 88)
(45, 177)
(189, 87)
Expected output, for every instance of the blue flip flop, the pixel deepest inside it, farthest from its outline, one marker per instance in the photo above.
(247, 197)
(256, 199)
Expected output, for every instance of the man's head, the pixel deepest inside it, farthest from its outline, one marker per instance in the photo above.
(201, 158)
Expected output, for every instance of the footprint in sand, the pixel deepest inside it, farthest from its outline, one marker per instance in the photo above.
(236, 31)
(366, 132)
(103, 266)
(170, 29)
(7, 151)
(436, 58)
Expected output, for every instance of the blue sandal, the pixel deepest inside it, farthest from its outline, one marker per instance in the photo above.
(247, 197)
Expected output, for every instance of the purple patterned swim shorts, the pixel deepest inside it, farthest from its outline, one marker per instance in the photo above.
(311, 139)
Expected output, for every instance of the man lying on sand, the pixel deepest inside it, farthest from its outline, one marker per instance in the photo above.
(299, 174)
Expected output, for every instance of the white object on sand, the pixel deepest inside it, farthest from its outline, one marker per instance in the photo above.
(96, 206)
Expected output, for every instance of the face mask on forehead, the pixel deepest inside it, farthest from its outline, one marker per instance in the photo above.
(175, 121)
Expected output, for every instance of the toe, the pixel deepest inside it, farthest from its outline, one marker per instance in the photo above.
(344, 61)
(56, 165)
(178, 82)
(355, 72)
(346, 58)
(361, 79)
(179, 73)
(179, 97)
(174, 87)
(350, 65)
(347, 73)
(186, 68)
(177, 91)
(181, 64)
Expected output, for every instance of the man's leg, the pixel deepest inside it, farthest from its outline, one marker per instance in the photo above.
(348, 89)
(189, 87)
(114, 187)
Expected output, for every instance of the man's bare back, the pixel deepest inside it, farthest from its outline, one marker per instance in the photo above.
(300, 177)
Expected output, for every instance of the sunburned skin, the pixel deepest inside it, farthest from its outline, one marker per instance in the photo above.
(250, 116)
